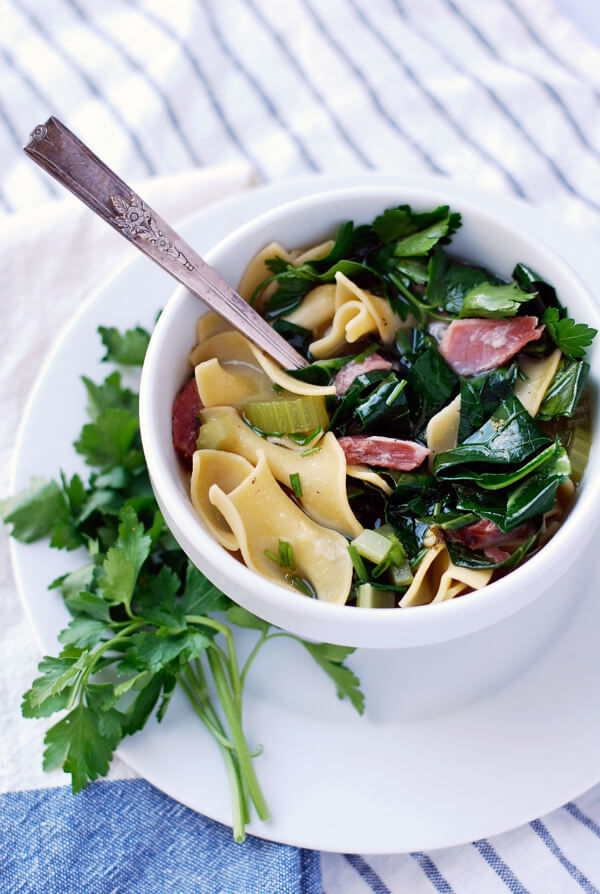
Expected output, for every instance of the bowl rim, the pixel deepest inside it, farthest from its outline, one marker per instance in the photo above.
(530, 578)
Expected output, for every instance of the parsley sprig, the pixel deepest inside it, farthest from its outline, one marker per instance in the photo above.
(142, 615)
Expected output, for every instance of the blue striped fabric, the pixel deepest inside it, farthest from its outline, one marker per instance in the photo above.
(504, 95)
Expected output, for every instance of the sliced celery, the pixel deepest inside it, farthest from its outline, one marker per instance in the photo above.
(372, 545)
(368, 596)
(288, 415)
(578, 451)
(400, 575)
(213, 435)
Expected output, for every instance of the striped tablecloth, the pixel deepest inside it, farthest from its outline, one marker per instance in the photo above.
(208, 98)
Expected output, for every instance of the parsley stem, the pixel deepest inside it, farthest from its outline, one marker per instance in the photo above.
(232, 664)
(238, 800)
(233, 717)
(78, 691)
(258, 645)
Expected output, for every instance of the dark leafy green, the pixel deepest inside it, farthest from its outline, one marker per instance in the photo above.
(480, 395)
(565, 390)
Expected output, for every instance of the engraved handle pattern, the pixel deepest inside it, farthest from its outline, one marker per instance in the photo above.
(56, 149)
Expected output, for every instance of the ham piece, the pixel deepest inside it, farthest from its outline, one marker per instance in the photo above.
(348, 373)
(473, 346)
(185, 423)
(390, 453)
(486, 535)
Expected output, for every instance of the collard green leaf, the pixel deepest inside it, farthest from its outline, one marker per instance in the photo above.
(385, 409)
(536, 494)
(297, 336)
(509, 436)
(321, 372)
(565, 390)
(432, 384)
(499, 480)
(480, 395)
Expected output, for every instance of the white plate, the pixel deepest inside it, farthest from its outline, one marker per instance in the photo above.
(430, 764)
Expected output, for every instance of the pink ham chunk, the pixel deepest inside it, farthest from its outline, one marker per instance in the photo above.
(348, 373)
(390, 453)
(486, 535)
(473, 346)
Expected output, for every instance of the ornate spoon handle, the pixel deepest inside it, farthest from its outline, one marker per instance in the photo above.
(68, 160)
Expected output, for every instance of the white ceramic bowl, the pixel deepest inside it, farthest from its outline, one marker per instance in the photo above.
(482, 239)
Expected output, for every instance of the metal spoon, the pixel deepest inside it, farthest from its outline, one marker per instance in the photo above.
(56, 149)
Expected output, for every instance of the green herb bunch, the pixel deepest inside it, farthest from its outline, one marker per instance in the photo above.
(142, 614)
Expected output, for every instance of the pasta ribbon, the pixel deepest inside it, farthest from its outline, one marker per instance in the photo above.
(316, 309)
(322, 473)
(442, 429)
(228, 470)
(357, 313)
(257, 270)
(320, 555)
(532, 390)
(364, 473)
(238, 356)
(438, 579)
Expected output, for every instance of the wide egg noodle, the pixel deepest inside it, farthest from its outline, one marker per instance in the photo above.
(209, 324)
(442, 429)
(358, 312)
(320, 555)
(364, 473)
(316, 309)
(227, 470)
(322, 473)
(540, 372)
(438, 579)
(427, 577)
(257, 270)
(240, 357)
(217, 385)
(352, 314)
(456, 579)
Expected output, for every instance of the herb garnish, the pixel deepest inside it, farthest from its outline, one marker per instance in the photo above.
(142, 614)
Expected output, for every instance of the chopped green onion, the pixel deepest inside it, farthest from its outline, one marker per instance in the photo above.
(295, 484)
(300, 438)
(392, 397)
(286, 556)
(357, 562)
(271, 556)
(288, 415)
(300, 584)
(310, 452)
